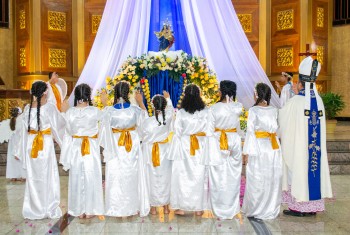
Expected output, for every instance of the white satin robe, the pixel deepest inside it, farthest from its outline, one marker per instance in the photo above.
(42, 191)
(190, 180)
(225, 179)
(263, 192)
(286, 94)
(126, 190)
(14, 168)
(159, 178)
(85, 192)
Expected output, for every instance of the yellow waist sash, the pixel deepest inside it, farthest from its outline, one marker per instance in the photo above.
(125, 137)
(155, 150)
(38, 142)
(85, 144)
(272, 136)
(223, 137)
(194, 144)
(57, 96)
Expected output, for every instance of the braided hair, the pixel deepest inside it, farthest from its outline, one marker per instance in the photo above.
(192, 101)
(121, 90)
(14, 115)
(82, 93)
(38, 89)
(228, 88)
(159, 104)
(262, 93)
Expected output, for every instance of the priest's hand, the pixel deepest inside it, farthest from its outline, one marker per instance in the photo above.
(245, 159)
(139, 99)
(17, 158)
(166, 94)
(278, 86)
(104, 98)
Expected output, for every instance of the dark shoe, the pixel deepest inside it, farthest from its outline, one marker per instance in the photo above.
(310, 214)
(293, 213)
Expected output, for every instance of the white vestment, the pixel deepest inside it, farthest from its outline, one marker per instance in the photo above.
(225, 179)
(126, 185)
(159, 177)
(14, 168)
(263, 192)
(42, 191)
(61, 86)
(85, 192)
(189, 180)
(294, 140)
(286, 94)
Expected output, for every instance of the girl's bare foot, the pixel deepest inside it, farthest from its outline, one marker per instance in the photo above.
(166, 209)
(81, 216)
(13, 180)
(153, 210)
(179, 212)
(199, 213)
(90, 216)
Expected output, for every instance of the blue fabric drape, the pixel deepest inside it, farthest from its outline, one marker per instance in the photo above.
(162, 10)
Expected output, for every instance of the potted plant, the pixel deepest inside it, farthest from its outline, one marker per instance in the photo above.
(333, 104)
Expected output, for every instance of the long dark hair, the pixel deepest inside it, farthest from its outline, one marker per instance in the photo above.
(159, 104)
(228, 88)
(14, 115)
(192, 100)
(121, 90)
(82, 93)
(263, 93)
(38, 89)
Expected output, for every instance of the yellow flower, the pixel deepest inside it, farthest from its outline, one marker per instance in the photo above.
(133, 80)
(129, 77)
(168, 59)
(202, 76)
(136, 76)
(108, 87)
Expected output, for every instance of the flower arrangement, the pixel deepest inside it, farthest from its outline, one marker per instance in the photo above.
(243, 120)
(181, 67)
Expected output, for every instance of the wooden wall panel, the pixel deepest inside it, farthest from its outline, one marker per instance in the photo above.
(22, 36)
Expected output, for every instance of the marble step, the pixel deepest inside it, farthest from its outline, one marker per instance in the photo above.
(338, 146)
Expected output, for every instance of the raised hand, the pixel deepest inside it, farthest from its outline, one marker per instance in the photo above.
(166, 94)
(104, 98)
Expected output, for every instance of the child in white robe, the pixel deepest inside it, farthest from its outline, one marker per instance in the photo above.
(42, 123)
(80, 155)
(126, 185)
(287, 90)
(191, 154)
(262, 196)
(156, 137)
(225, 179)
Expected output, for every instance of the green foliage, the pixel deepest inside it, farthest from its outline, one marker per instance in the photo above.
(333, 104)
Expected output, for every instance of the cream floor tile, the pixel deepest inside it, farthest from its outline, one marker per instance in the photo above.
(122, 227)
(159, 228)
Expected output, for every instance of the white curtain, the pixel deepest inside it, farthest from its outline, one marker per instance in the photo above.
(215, 32)
(123, 32)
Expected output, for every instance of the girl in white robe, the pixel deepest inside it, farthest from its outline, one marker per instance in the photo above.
(156, 137)
(42, 123)
(81, 156)
(14, 169)
(126, 185)
(191, 154)
(287, 90)
(225, 179)
(262, 196)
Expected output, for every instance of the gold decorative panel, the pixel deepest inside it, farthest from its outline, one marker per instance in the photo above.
(22, 19)
(246, 22)
(95, 23)
(320, 54)
(56, 21)
(285, 19)
(57, 58)
(22, 57)
(285, 56)
(320, 17)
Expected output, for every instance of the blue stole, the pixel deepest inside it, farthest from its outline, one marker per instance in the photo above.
(314, 147)
(121, 106)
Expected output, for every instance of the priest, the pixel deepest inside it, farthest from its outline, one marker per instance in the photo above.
(57, 90)
(306, 179)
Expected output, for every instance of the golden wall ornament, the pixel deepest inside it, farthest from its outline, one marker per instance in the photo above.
(57, 58)
(56, 21)
(320, 17)
(246, 22)
(285, 19)
(284, 56)
(22, 57)
(95, 23)
(3, 109)
(320, 54)
(22, 19)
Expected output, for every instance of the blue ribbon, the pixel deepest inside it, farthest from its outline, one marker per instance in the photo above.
(121, 106)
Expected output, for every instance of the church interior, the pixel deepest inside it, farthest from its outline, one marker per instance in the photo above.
(41, 36)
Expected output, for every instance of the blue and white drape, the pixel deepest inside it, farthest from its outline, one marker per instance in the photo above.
(208, 28)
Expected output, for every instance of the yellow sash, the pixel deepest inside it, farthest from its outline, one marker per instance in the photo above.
(155, 150)
(125, 137)
(85, 144)
(194, 145)
(38, 142)
(272, 136)
(57, 96)
(223, 137)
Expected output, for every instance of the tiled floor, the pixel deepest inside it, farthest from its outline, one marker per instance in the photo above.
(336, 220)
